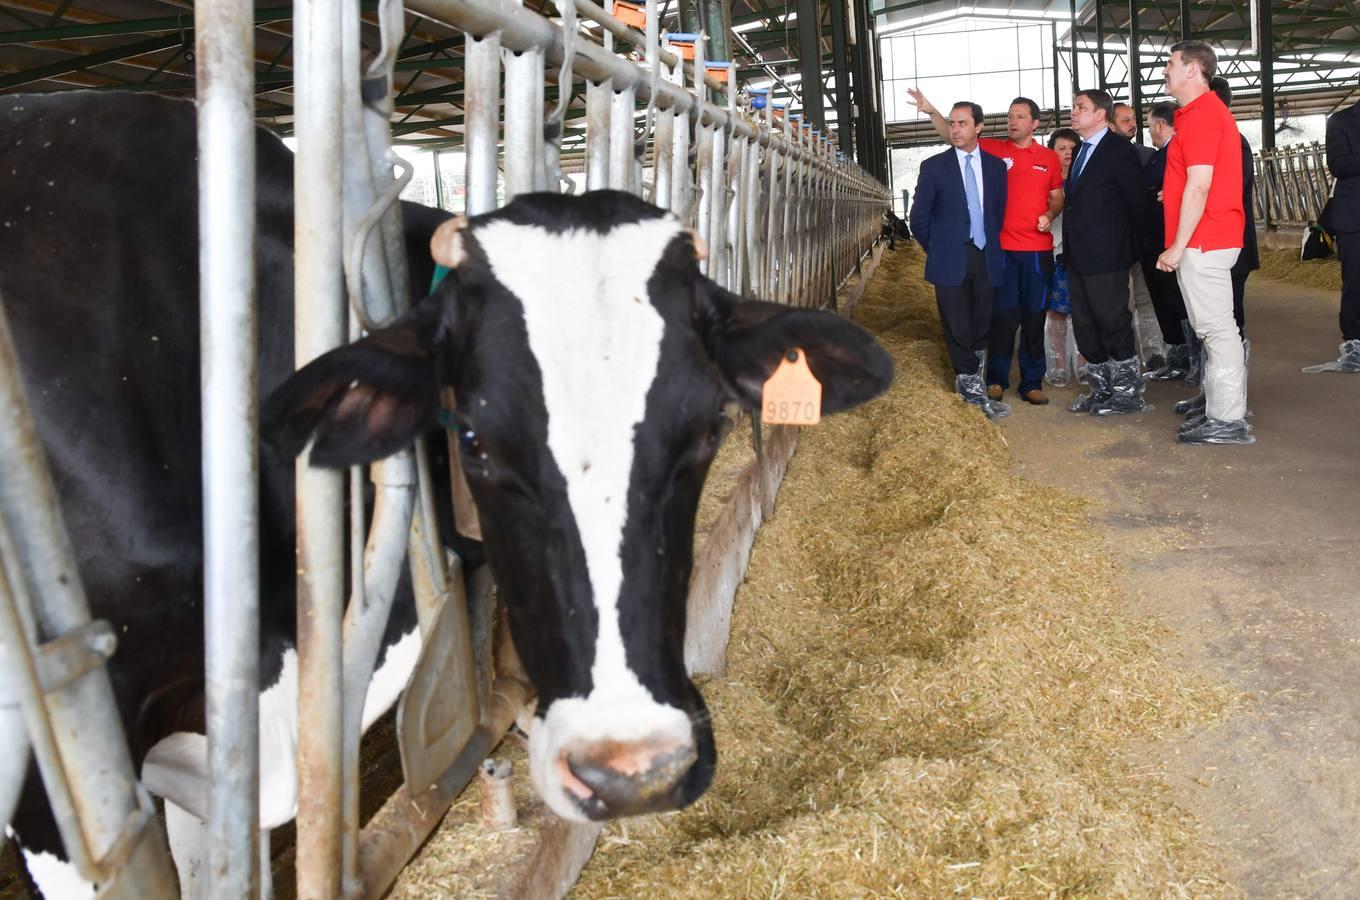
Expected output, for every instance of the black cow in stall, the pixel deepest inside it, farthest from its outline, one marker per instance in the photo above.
(893, 228)
(591, 360)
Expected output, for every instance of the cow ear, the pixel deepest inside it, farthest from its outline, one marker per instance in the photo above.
(747, 339)
(364, 401)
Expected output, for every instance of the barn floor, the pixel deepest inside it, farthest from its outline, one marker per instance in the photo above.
(1252, 556)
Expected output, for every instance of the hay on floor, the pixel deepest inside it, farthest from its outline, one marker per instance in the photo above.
(931, 689)
(1284, 265)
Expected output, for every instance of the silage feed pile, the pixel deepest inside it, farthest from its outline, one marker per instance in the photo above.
(931, 690)
(1285, 265)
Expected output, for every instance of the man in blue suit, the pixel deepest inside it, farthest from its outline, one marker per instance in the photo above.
(960, 204)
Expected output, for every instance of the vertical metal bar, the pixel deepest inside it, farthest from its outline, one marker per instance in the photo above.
(704, 185)
(1187, 24)
(680, 181)
(319, 326)
(523, 121)
(1100, 43)
(1135, 70)
(772, 173)
(1267, 63)
(715, 188)
(224, 44)
(840, 65)
(598, 100)
(622, 103)
(438, 187)
(1057, 81)
(1072, 42)
(482, 88)
(790, 164)
(810, 61)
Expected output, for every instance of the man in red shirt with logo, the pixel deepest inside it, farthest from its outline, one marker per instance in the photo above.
(1034, 197)
(1202, 196)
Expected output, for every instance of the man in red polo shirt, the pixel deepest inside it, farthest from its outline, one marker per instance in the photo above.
(1202, 196)
(1034, 197)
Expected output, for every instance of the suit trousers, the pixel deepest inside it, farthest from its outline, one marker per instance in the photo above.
(1239, 288)
(1101, 320)
(1348, 247)
(1166, 298)
(966, 314)
(1206, 285)
(1146, 328)
(1019, 303)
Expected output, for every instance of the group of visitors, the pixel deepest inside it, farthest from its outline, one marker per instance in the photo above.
(1143, 252)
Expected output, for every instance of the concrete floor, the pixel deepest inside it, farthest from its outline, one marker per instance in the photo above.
(1252, 556)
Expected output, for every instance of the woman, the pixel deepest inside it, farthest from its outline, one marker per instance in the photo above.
(1056, 341)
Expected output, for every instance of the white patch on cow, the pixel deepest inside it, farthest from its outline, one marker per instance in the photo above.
(391, 677)
(597, 341)
(54, 877)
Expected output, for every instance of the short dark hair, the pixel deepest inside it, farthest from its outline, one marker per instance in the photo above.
(1123, 104)
(972, 107)
(1100, 100)
(1066, 133)
(1166, 111)
(1025, 101)
(1219, 85)
(1198, 52)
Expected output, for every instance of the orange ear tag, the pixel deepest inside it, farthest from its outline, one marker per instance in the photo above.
(792, 395)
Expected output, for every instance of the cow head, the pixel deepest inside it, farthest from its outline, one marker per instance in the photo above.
(591, 362)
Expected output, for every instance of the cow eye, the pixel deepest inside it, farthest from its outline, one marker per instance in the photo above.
(470, 442)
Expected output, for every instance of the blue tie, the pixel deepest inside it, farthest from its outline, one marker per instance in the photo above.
(1079, 162)
(977, 233)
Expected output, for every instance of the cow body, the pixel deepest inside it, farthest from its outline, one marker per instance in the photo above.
(99, 210)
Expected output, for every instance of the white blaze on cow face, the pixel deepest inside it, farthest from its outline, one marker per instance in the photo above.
(597, 341)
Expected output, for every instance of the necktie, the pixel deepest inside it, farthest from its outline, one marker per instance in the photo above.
(976, 232)
(1079, 162)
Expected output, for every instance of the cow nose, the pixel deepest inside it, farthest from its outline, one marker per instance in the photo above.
(612, 778)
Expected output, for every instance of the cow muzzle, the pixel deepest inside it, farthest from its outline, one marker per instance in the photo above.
(607, 779)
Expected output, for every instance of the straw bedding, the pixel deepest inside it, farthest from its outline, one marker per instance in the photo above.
(931, 689)
(1285, 265)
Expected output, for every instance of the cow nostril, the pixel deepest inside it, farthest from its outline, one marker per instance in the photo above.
(623, 779)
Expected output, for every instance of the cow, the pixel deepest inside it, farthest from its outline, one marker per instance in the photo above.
(893, 228)
(591, 362)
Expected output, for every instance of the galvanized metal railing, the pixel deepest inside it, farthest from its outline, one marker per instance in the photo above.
(1292, 185)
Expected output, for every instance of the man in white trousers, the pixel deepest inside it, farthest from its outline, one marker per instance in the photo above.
(1202, 196)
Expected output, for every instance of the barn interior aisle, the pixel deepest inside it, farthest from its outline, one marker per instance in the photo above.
(919, 700)
(1250, 556)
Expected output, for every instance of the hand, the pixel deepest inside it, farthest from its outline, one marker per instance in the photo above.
(1044, 224)
(919, 100)
(1170, 259)
(1159, 197)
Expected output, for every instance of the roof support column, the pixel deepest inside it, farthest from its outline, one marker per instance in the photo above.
(1100, 44)
(841, 68)
(1057, 79)
(1266, 55)
(1185, 20)
(1135, 70)
(810, 62)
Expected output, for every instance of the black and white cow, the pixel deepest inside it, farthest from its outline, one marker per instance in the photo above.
(591, 361)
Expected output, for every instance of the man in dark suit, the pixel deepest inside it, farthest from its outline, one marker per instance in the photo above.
(1103, 202)
(1343, 158)
(960, 204)
(1182, 347)
(1249, 260)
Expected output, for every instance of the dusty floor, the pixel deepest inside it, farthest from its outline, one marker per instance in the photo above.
(1252, 556)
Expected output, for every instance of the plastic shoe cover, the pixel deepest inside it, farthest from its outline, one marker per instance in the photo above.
(1226, 386)
(1177, 365)
(972, 389)
(1217, 431)
(1192, 422)
(1126, 390)
(1100, 375)
(1194, 346)
(1055, 346)
(1348, 362)
(1192, 407)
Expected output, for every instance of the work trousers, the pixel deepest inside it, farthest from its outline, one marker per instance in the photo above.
(1206, 285)
(966, 314)
(1348, 248)
(1101, 320)
(1166, 298)
(1019, 303)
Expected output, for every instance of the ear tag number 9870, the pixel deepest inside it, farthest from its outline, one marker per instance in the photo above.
(792, 395)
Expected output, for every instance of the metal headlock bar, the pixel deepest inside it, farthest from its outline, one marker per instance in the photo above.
(1292, 185)
(784, 217)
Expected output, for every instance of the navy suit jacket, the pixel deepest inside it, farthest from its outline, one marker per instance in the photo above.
(1343, 158)
(1101, 209)
(939, 217)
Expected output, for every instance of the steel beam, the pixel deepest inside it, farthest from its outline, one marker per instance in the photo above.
(1266, 54)
(1135, 70)
(841, 69)
(1187, 25)
(89, 61)
(810, 62)
(1100, 44)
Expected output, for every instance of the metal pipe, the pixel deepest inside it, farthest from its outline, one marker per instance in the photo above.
(482, 84)
(224, 44)
(598, 108)
(1266, 55)
(810, 61)
(1100, 44)
(319, 326)
(523, 120)
(621, 107)
(1135, 71)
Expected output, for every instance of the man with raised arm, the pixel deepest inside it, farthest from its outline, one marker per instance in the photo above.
(1034, 197)
(1202, 197)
